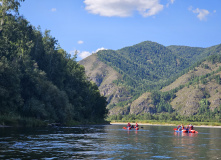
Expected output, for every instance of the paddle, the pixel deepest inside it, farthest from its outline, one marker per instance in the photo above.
(175, 129)
(124, 128)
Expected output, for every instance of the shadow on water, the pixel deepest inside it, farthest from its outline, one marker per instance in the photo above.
(108, 142)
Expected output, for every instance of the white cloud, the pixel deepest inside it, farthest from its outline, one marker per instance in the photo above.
(100, 49)
(80, 42)
(85, 54)
(202, 13)
(123, 8)
(53, 9)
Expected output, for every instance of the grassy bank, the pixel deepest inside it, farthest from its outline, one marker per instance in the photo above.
(175, 123)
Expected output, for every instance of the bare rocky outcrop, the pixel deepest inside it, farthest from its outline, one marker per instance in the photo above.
(119, 110)
(187, 101)
(142, 105)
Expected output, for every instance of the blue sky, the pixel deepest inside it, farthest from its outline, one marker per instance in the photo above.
(90, 25)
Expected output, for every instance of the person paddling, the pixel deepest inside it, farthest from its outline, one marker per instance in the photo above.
(191, 127)
(179, 127)
(136, 125)
(128, 125)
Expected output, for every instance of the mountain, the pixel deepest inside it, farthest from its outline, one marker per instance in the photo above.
(150, 78)
(145, 64)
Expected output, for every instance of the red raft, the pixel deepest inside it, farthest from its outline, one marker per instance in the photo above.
(185, 131)
(129, 128)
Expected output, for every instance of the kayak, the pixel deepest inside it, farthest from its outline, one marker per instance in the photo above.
(185, 131)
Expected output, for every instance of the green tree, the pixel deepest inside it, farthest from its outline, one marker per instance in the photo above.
(7, 6)
(39, 80)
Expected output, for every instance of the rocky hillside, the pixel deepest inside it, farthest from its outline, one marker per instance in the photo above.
(200, 83)
(128, 76)
(104, 76)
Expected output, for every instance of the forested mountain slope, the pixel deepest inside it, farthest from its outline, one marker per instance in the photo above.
(144, 66)
(194, 54)
(144, 69)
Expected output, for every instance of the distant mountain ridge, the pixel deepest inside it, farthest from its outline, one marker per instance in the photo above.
(146, 61)
(140, 69)
(194, 54)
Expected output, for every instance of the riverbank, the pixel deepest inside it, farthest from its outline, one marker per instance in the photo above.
(169, 124)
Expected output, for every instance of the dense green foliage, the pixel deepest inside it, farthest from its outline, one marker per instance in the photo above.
(162, 101)
(144, 66)
(191, 54)
(194, 54)
(40, 80)
(205, 115)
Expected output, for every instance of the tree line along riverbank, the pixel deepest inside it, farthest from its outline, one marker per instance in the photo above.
(170, 123)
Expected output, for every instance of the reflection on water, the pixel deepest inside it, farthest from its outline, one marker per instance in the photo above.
(109, 142)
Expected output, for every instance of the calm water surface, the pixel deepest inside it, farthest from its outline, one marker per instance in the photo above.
(109, 142)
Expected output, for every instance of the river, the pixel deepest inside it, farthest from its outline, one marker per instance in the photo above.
(109, 142)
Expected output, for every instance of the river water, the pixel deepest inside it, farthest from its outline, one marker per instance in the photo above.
(109, 142)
